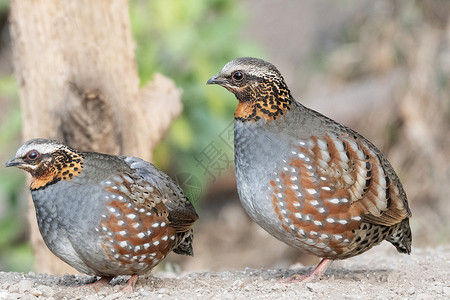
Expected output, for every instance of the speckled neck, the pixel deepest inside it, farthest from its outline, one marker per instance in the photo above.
(269, 100)
(65, 164)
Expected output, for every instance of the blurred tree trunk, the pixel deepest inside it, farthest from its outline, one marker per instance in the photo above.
(78, 82)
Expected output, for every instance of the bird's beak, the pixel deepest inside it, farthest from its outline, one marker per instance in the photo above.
(216, 79)
(13, 162)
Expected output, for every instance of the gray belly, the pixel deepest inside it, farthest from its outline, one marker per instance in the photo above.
(258, 155)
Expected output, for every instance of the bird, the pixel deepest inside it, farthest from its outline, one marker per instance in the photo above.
(105, 215)
(307, 180)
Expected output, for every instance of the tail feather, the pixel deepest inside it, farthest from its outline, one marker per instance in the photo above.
(185, 245)
(401, 237)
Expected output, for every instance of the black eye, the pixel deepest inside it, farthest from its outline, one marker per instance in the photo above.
(237, 76)
(33, 154)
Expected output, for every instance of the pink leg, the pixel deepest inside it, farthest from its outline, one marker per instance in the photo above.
(104, 281)
(313, 276)
(129, 286)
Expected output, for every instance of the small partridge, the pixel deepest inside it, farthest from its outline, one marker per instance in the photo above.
(309, 181)
(105, 215)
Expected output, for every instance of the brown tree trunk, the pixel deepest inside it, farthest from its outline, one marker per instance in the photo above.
(75, 64)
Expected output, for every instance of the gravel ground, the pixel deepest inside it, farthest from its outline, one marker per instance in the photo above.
(379, 274)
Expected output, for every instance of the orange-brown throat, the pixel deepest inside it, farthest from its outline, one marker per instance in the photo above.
(63, 166)
(267, 100)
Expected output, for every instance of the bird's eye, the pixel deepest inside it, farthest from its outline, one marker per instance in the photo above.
(237, 76)
(33, 154)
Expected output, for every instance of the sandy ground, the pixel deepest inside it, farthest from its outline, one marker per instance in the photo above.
(379, 274)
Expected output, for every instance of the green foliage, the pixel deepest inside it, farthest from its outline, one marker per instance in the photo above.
(13, 245)
(189, 41)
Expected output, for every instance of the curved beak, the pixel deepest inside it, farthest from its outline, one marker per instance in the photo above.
(216, 79)
(13, 162)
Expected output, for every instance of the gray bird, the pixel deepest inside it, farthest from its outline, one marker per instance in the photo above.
(105, 215)
(309, 181)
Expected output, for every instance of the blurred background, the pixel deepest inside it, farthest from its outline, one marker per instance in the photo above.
(381, 67)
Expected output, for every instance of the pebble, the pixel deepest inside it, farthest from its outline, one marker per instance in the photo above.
(424, 296)
(25, 286)
(143, 293)
(446, 290)
(13, 288)
(411, 290)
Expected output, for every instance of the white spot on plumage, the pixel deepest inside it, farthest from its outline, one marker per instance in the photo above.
(326, 188)
(164, 238)
(309, 241)
(123, 232)
(322, 164)
(172, 237)
(314, 202)
(156, 224)
(301, 155)
(324, 236)
(294, 186)
(343, 222)
(311, 191)
(334, 201)
(298, 215)
(141, 235)
(330, 220)
(318, 223)
(320, 245)
(325, 156)
(357, 218)
(123, 244)
(321, 210)
(322, 144)
(294, 178)
(156, 243)
(131, 216)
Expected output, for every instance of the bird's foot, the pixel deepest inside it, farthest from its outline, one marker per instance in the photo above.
(129, 286)
(313, 276)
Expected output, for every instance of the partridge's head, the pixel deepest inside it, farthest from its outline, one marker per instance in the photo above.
(259, 87)
(48, 161)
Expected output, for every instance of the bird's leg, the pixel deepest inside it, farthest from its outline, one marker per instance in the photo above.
(129, 286)
(103, 281)
(313, 276)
